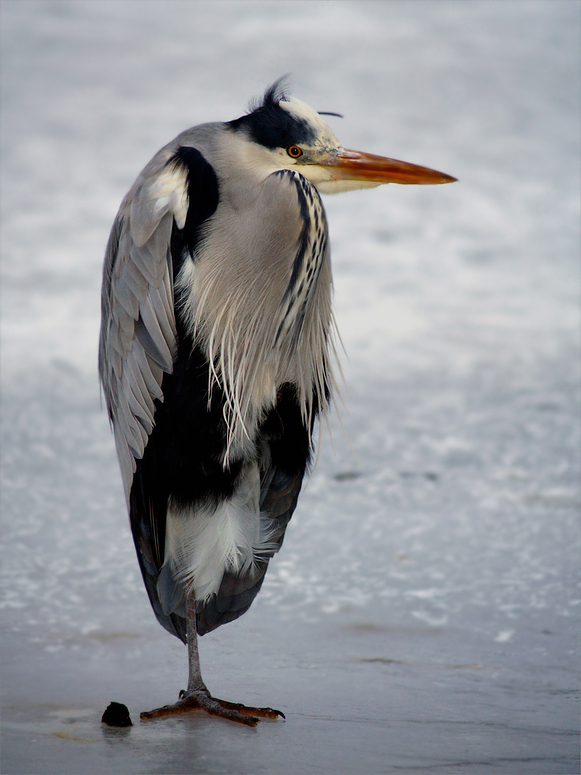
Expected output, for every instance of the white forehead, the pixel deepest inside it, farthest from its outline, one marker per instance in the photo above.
(325, 134)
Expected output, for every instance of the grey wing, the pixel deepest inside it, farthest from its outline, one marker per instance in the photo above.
(138, 331)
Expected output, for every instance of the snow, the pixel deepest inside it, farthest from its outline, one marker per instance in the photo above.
(424, 610)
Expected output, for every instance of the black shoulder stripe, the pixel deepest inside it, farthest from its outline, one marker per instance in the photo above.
(203, 198)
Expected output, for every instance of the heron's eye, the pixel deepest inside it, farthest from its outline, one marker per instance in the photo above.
(294, 151)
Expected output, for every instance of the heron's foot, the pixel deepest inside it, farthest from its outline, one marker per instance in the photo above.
(203, 700)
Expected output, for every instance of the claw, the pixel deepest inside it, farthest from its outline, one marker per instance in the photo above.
(233, 711)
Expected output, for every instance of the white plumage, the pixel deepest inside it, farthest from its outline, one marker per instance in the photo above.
(233, 537)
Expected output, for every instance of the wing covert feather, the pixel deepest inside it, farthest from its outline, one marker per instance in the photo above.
(138, 330)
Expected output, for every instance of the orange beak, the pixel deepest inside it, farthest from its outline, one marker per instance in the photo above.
(357, 165)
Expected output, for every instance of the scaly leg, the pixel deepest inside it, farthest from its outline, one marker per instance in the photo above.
(197, 696)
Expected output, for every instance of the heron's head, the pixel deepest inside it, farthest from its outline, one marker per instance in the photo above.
(285, 133)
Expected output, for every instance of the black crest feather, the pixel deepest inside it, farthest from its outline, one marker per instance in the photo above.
(271, 125)
(275, 93)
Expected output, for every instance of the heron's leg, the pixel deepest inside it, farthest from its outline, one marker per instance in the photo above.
(195, 682)
(197, 696)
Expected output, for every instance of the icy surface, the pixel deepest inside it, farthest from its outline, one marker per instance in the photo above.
(423, 614)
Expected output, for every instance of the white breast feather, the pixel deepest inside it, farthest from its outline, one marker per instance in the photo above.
(201, 545)
(234, 301)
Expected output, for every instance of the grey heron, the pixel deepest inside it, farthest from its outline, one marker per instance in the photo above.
(216, 355)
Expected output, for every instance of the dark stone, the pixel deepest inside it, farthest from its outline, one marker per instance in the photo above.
(117, 715)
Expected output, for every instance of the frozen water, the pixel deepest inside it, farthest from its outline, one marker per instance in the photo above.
(424, 611)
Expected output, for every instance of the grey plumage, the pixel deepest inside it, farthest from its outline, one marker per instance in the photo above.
(216, 350)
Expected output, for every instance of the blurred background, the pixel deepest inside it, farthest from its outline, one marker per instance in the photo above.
(424, 610)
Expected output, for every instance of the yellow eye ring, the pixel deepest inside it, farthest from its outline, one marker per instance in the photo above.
(294, 151)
